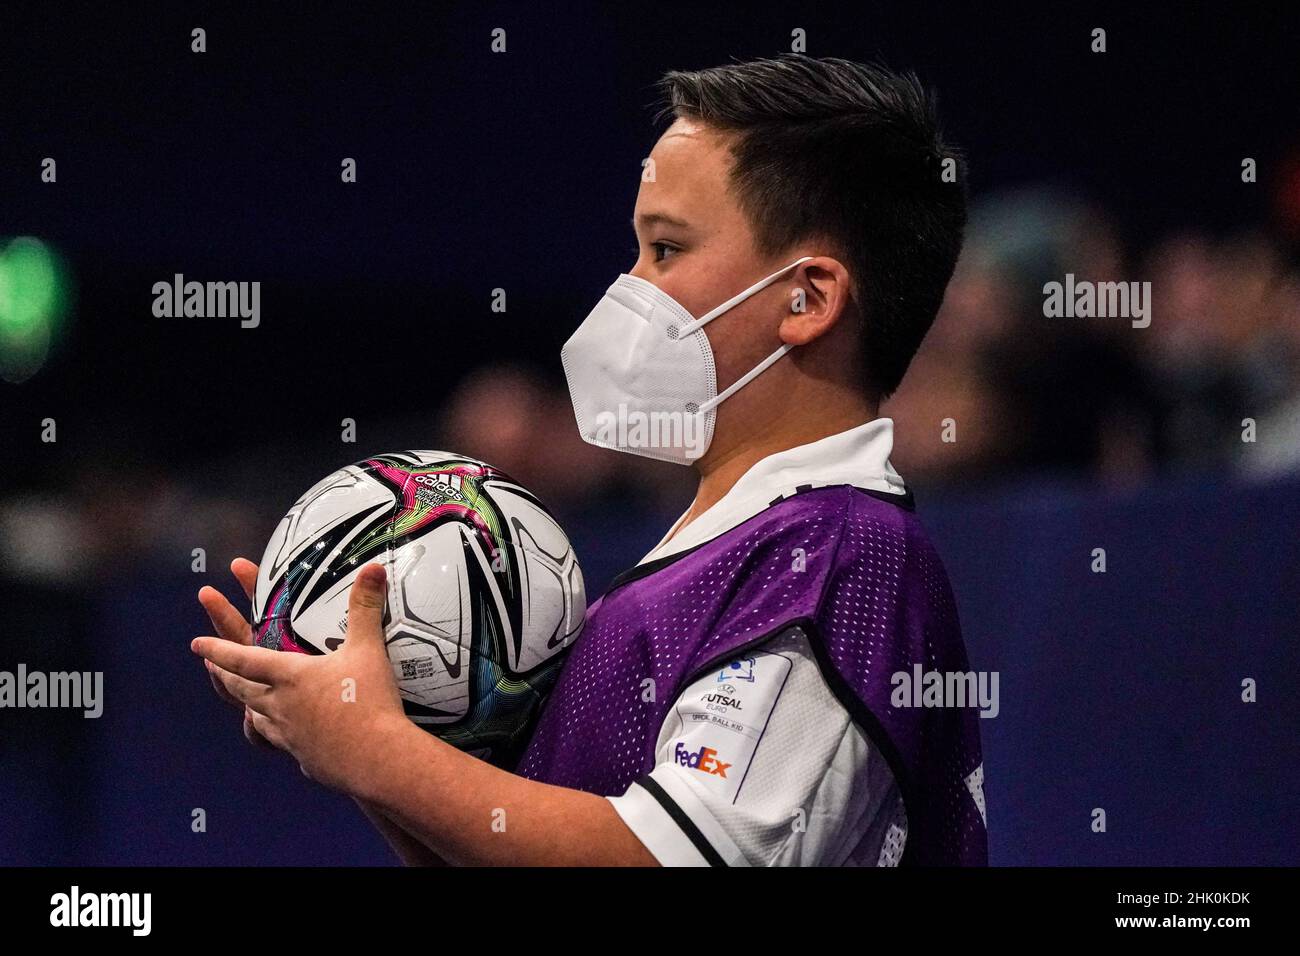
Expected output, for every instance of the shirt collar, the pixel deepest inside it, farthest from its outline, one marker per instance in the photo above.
(858, 456)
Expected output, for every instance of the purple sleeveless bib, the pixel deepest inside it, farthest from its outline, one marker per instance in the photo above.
(859, 575)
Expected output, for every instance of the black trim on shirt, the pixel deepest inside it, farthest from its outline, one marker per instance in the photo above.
(639, 571)
(905, 501)
(870, 724)
(687, 825)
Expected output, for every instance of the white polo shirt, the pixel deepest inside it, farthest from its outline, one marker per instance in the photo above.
(758, 763)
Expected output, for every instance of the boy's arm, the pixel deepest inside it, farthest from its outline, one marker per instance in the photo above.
(408, 849)
(472, 813)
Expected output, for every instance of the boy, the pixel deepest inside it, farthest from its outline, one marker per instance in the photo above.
(729, 702)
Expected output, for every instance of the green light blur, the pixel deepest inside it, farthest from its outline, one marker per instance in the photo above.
(33, 298)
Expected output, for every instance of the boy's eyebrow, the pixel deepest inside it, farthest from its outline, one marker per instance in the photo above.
(653, 218)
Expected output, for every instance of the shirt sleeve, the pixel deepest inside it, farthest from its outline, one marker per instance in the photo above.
(758, 764)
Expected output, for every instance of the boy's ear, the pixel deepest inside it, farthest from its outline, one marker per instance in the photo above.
(819, 296)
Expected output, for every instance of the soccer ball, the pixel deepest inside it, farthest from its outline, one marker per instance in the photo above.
(484, 592)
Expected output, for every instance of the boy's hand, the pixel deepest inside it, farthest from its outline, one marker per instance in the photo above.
(232, 626)
(327, 711)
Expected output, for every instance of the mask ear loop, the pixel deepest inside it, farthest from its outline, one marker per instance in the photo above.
(735, 300)
(745, 379)
(762, 366)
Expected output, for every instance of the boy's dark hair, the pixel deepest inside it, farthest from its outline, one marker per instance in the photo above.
(851, 152)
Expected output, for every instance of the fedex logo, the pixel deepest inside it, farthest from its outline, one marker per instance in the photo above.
(704, 760)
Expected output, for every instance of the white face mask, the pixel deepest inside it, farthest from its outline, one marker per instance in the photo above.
(641, 372)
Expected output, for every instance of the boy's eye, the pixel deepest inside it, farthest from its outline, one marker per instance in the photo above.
(662, 250)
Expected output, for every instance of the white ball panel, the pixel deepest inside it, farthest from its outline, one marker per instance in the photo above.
(431, 620)
(429, 587)
(543, 533)
(546, 563)
(420, 666)
(328, 503)
(324, 624)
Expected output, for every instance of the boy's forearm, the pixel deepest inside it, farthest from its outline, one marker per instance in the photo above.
(408, 849)
(471, 813)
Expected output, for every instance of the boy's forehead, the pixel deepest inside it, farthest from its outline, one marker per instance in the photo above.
(692, 163)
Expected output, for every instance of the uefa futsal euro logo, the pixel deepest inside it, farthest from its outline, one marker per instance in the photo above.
(742, 669)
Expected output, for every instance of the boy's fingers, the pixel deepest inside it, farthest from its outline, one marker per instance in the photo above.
(245, 573)
(251, 733)
(366, 607)
(247, 692)
(258, 664)
(230, 624)
(263, 728)
(219, 687)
